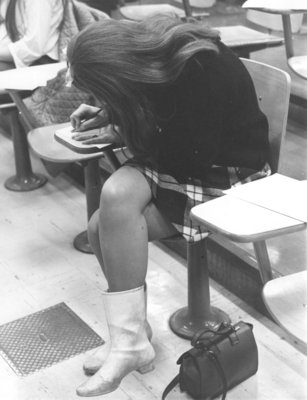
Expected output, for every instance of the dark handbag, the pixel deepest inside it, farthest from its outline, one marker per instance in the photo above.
(218, 361)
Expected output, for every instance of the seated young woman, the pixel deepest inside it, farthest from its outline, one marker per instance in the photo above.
(186, 108)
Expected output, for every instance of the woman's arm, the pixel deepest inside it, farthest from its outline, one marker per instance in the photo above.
(41, 21)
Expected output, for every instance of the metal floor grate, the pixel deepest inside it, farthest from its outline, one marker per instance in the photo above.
(45, 338)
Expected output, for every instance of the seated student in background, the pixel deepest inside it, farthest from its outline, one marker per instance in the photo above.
(29, 32)
(185, 106)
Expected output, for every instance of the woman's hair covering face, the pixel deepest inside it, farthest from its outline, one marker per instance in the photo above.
(116, 60)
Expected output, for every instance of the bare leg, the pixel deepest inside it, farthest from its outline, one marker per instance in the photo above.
(119, 234)
(157, 227)
(125, 222)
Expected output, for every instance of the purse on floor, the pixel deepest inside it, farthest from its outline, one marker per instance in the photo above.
(218, 361)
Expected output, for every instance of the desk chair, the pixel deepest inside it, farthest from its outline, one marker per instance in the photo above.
(76, 17)
(25, 179)
(286, 299)
(270, 84)
(298, 64)
(46, 147)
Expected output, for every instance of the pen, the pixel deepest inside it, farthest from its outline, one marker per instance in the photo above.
(93, 115)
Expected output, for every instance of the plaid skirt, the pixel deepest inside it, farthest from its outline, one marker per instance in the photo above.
(176, 199)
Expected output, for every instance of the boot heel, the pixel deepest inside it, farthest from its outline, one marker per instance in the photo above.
(146, 368)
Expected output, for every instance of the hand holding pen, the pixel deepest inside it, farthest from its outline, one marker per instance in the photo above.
(87, 117)
(91, 126)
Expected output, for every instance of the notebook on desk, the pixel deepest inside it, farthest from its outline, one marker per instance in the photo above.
(278, 193)
(64, 136)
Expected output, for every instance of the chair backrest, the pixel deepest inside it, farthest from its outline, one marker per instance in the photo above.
(273, 92)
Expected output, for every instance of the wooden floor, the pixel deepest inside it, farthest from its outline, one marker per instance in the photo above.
(40, 268)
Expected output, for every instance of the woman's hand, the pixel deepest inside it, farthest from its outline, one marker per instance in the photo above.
(98, 136)
(87, 117)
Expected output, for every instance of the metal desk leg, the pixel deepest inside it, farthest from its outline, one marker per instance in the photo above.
(25, 179)
(263, 259)
(186, 321)
(92, 191)
(187, 8)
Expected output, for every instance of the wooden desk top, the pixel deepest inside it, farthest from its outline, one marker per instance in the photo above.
(277, 6)
(241, 36)
(138, 12)
(43, 143)
(29, 78)
(258, 210)
(241, 221)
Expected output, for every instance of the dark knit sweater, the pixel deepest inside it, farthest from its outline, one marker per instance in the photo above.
(210, 116)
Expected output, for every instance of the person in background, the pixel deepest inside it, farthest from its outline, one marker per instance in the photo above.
(185, 106)
(29, 32)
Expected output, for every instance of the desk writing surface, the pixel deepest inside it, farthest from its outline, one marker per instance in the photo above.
(278, 193)
(65, 137)
(29, 78)
(277, 5)
(242, 221)
(43, 143)
(239, 35)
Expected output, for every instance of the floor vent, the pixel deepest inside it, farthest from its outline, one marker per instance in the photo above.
(45, 338)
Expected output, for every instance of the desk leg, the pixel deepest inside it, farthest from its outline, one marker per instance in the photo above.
(187, 8)
(263, 259)
(92, 181)
(286, 20)
(199, 314)
(24, 180)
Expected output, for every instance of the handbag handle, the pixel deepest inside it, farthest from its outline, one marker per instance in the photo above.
(220, 371)
(170, 386)
(223, 329)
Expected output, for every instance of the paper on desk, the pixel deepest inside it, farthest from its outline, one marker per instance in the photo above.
(278, 193)
(64, 136)
(277, 4)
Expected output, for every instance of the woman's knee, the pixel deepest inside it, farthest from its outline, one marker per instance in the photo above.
(125, 191)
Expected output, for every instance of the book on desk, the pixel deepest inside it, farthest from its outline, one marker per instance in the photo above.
(64, 136)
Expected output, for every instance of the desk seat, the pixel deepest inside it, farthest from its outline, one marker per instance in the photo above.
(286, 300)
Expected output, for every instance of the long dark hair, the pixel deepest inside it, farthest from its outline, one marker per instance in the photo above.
(117, 60)
(10, 21)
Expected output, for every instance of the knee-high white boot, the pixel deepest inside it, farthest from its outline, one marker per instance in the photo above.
(94, 362)
(129, 349)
